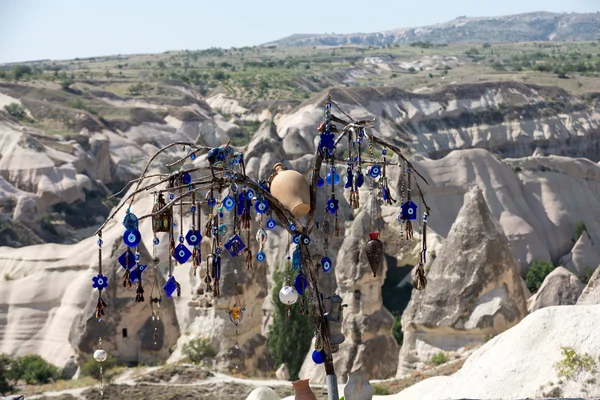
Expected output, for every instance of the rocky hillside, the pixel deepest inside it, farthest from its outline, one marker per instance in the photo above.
(530, 27)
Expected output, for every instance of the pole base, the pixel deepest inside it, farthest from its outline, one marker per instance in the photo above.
(332, 388)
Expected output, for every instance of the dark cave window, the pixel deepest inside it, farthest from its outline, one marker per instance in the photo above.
(124, 332)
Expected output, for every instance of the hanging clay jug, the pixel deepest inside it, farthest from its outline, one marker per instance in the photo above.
(357, 387)
(374, 250)
(302, 390)
(292, 189)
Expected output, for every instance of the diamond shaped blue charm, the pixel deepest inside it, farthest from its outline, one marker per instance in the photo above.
(260, 256)
(235, 245)
(181, 254)
(127, 259)
(326, 264)
(136, 273)
(261, 206)
(193, 237)
(132, 238)
(250, 194)
(360, 179)
(170, 287)
(228, 203)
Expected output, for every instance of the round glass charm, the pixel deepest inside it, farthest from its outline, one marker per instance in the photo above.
(261, 206)
(271, 224)
(100, 355)
(260, 256)
(288, 295)
(326, 264)
(132, 238)
(317, 357)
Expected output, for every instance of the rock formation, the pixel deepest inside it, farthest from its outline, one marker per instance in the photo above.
(474, 289)
(560, 288)
(520, 363)
(583, 258)
(367, 325)
(591, 292)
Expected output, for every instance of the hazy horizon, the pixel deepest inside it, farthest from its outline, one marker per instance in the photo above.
(66, 29)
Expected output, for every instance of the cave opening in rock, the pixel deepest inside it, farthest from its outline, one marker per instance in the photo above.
(124, 332)
(397, 286)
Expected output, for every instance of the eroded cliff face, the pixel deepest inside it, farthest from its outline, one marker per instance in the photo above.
(536, 200)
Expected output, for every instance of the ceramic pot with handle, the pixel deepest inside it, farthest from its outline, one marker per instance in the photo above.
(292, 189)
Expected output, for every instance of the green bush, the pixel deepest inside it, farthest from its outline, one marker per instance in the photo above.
(5, 365)
(16, 111)
(397, 328)
(578, 230)
(92, 368)
(289, 337)
(197, 350)
(379, 390)
(439, 358)
(33, 369)
(587, 274)
(573, 363)
(537, 272)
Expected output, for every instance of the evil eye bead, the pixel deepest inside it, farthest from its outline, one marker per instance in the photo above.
(193, 156)
(182, 254)
(271, 224)
(229, 203)
(223, 229)
(261, 206)
(332, 177)
(297, 239)
(218, 250)
(260, 256)
(383, 152)
(305, 239)
(193, 237)
(186, 178)
(326, 264)
(374, 171)
(193, 208)
(132, 238)
(171, 196)
(292, 227)
(156, 241)
(320, 182)
(250, 194)
(211, 202)
(181, 239)
(137, 257)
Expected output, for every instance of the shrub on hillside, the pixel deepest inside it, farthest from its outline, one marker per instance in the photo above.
(197, 350)
(439, 358)
(16, 111)
(92, 368)
(397, 328)
(538, 271)
(5, 364)
(33, 369)
(578, 230)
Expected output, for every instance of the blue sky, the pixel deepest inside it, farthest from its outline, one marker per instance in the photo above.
(63, 29)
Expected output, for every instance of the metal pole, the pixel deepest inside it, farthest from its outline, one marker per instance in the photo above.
(332, 388)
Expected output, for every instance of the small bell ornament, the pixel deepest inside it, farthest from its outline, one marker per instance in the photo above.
(288, 295)
(374, 248)
(100, 355)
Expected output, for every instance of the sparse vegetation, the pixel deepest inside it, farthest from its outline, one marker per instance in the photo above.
(537, 272)
(397, 328)
(7, 277)
(92, 368)
(379, 390)
(573, 363)
(439, 358)
(32, 369)
(16, 111)
(197, 350)
(587, 274)
(578, 230)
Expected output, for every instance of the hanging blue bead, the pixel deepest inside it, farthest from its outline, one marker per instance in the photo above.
(260, 256)
(326, 264)
(360, 179)
(137, 257)
(318, 357)
(218, 250)
(223, 229)
(156, 241)
(374, 171)
(170, 286)
(250, 194)
(100, 282)
(320, 182)
(193, 209)
(271, 223)
(332, 205)
(171, 196)
(181, 239)
(235, 245)
(186, 178)
(193, 237)
(228, 203)
(300, 283)
(136, 273)
(193, 156)
(292, 227)
(297, 259)
(348, 178)
(127, 259)
(296, 239)
(181, 254)
(130, 222)
(211, 202)
(336, 177)
(241, 203)
(305, 239)
(221, 215)
(132, 238)
(261, 206)
(409, 211)
(383, 151)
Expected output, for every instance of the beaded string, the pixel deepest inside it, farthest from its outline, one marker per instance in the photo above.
(101, 304)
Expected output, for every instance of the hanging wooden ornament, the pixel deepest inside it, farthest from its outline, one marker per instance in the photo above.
(161, 220)
(374, 250)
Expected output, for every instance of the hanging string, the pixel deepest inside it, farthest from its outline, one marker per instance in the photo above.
(409, 228)
(101, 304)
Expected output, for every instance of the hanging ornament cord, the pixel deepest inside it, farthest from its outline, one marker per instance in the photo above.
(155, 301)
(101, 304)
(409, 227)
(336, 226)
(101, 369)
(402, 198)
